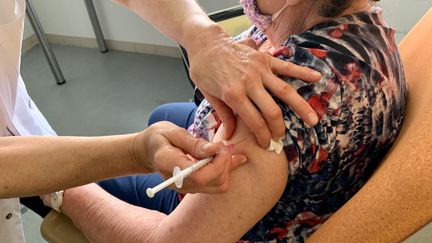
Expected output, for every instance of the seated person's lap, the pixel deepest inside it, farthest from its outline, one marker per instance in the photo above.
(181, 114)
(132, 189)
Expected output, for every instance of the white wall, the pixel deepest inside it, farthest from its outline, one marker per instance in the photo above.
(28, 31)
(403, 14)
(69, 17)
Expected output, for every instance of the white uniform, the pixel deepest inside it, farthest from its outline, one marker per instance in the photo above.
(18, 114)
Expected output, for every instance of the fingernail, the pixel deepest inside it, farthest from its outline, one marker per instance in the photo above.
(206, 146)
(243, 160)
(313, 119)
(316, 73)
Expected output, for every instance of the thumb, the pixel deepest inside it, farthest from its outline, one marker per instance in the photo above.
(203, 149)
(226, 114)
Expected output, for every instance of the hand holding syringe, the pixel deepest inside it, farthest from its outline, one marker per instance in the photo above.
(178, 176)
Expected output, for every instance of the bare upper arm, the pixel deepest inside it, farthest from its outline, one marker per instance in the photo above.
(254, 189)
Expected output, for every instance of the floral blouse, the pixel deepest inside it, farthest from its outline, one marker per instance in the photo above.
(360, 102)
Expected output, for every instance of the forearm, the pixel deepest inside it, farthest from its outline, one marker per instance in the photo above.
(104, 218)
(198, 218)
(181, 20)
(37, 165)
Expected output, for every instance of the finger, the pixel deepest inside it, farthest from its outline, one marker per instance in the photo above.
(294, 71)
(224, 178)
(206, 180)
(190, 157)
(169, 157)
(289, 96)
(222, 181)
(211, 175)
(218, 184)
(226, 115)
(197, 147)
(214, 169)
(270, 110)
(253, 120)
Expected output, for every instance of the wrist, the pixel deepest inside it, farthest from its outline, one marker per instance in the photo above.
(140, 151)
(200, 34)
(77, 196)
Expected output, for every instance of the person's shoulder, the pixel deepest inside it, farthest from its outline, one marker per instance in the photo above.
(358, 36)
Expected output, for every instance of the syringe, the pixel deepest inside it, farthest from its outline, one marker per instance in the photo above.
(178, 176)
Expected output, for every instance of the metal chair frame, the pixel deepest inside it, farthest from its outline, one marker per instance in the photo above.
(49, 54)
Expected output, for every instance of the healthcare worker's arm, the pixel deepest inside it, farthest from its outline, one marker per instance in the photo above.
(38, 165)
(232, 76)
(254, 189)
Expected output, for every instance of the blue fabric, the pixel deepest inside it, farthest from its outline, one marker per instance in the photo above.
(132, 189)
(181, 114)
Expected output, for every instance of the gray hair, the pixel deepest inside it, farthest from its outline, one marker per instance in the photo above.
(333, 8)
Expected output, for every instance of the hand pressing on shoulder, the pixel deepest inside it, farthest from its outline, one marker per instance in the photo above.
(237, 79)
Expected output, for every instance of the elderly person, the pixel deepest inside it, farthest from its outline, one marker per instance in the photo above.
(52, 163)
(282, 196)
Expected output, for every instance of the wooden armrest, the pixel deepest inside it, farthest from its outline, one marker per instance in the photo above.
(57, 228)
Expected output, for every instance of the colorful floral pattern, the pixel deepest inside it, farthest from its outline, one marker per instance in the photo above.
(360, 102)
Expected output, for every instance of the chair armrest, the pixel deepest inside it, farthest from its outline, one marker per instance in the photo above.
(57, 228)
(227, 13)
